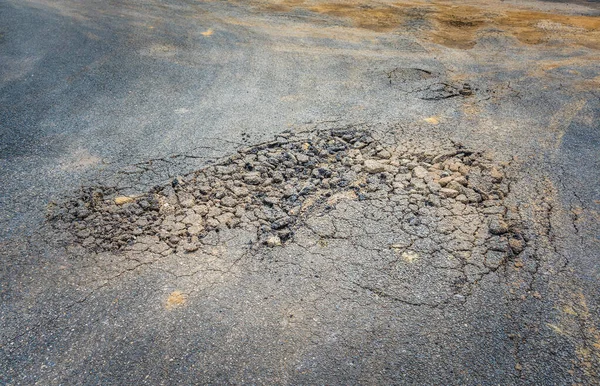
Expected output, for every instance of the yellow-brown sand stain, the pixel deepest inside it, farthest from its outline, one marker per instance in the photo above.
(379, 18)
(454, 25)
(536, 27)
(175, 299)
(122, 200)
(342, 196)
(459, 26)
(409, 256)
(577, 323)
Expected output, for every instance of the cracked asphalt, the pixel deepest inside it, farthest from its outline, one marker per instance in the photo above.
(299, 192)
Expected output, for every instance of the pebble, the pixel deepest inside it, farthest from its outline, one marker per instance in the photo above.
(445, 180)
(240, 191)
(420, 172)
(372, 166)
(497, 226)
(122, 200)
(187, 200)
(253, 178)
(273, 241)
(192, 218)
(225, 218)
(190, 247)
(496, 174)
(516, 245)
(448, 193)
(302, 158)
(228, 201)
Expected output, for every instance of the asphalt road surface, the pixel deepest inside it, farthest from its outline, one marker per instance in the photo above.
(299, 192)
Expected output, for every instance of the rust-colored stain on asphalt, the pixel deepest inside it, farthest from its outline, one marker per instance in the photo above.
(175, 299)
(454, 25)
(375, 18)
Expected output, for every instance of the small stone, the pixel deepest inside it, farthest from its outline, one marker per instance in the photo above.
(464, 170)
(213, 223)
(496, 175)
(278, 177)
(252, 178)
(214, 212)
(454, 185)
(433, 187)
(302, 158)
(448, 193)
(201, 210)
(403, 177)
(273, 241)
(190, 247)
(240, 211)
(497, 226)
(122, 200)
(472, 195)
(228, 201)
(225, 218)
(462, 198)
(411, 165)
(461, 180)
(281, 223)
(384, 154)
(204, 189)
(195, 229)
(187, 200)
(193, 219)
(445, 180)
(288, 191)
(454, 166)
(240, 191)
(372, 166)
(271, 201)
(420, 172)
(517, 245)
(223, 170)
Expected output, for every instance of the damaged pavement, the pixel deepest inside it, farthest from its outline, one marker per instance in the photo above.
(299, 193)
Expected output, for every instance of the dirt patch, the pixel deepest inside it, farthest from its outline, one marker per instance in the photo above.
(455, 25)
(460, 26)
(175, 299)
(372, 17)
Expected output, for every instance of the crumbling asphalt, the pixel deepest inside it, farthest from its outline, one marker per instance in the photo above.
(299, 193)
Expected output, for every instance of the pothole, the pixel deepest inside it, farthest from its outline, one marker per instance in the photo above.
(402, 224)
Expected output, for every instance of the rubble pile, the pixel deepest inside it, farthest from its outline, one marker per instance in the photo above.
(453, 199)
